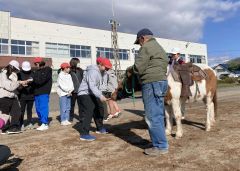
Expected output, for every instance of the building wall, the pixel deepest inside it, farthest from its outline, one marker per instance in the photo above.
(42, 32)
(5, 25)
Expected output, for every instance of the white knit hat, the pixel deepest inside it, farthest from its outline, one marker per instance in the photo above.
(26, 66)
(14, 63)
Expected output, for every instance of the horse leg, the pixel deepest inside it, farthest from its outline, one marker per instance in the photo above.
(209, 105)
(169, 119)
(178, 116)
(212, 116)
(183, 107)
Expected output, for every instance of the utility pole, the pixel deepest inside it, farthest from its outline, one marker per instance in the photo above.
(114, 38)
(115, 49)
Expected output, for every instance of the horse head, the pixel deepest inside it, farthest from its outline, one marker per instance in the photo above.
(128, 85)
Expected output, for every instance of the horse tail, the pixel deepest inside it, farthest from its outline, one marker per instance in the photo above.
(215, 103)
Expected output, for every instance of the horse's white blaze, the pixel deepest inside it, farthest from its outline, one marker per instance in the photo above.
(199, 92)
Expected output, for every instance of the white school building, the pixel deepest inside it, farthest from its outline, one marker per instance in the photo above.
(25, 37)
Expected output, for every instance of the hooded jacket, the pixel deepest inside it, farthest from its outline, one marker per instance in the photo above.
(64, 84)
(9, 85)
(110, 83)
(91, 82)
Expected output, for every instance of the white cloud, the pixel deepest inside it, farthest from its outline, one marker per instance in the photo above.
(182, 20)
(213, 61)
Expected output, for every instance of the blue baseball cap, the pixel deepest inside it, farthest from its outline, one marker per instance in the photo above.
(141, 33)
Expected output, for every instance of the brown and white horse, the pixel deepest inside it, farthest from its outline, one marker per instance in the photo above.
(204, 90)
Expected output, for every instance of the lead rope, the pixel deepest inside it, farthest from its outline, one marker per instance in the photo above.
(131, 92)
(197, 91)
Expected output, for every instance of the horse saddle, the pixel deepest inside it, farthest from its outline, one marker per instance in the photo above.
(186, 74)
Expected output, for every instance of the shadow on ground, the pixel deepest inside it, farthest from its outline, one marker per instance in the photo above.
(11, 164)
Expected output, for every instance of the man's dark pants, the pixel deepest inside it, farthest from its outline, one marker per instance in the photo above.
(90, 107)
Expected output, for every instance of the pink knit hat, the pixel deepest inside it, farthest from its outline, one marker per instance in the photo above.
(2, 123)
(3, 119)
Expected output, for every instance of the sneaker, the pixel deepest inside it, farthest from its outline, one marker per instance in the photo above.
(116, 115)
(110, 116)
(22, 128)
(14, 131)
(68, 123)
(43, 127)
(87, 137)
(3, 132)
(155, 151)
(65, 123)
(102, 131)
(30, 126)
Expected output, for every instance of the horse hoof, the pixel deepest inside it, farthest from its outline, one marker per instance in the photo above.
(213, 122)
(207, 129)
(178, 137)
(167, 132)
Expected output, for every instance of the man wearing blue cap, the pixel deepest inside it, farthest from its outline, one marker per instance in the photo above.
(151, 65)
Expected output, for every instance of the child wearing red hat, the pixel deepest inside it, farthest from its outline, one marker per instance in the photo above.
(109, 86)
(42, 80)
(64, 90)
(90, 100)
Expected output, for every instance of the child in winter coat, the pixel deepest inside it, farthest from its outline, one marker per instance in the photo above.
(9, 103)
(111, 84)
(26, 94)
(64, 89)
(42, 81)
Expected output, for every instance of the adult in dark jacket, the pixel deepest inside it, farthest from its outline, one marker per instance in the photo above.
(77, 75)
(151, 66)
(42, 80)
(26, 94)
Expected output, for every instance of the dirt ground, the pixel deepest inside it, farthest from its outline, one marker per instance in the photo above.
(59, 148)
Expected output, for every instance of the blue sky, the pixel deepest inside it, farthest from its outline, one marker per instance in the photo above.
(214, 22)
(223, 39)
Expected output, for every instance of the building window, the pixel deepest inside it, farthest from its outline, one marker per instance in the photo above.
(123, 54)
(32, 48)
(197, 59)
(108, 53)
(3, 46)
(57, 50)
(182, 56)
(135, 52)
(66, 50)
(22, 47)
(80, 51)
